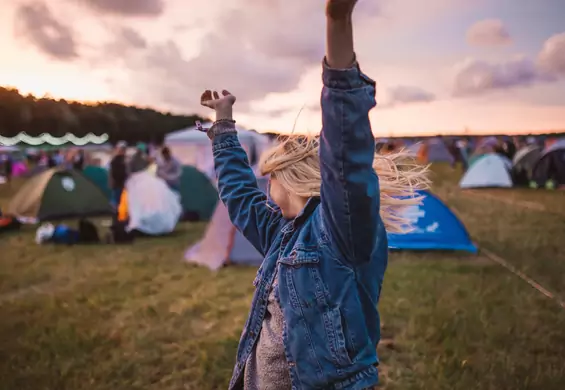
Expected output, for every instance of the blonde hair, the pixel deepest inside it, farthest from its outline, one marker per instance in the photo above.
(296, 165)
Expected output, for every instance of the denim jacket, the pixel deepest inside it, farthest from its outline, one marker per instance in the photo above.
(331, 258)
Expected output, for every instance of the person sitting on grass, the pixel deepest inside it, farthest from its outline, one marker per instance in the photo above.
(314, 322)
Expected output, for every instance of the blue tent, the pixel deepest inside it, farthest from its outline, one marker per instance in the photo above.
(437, 228)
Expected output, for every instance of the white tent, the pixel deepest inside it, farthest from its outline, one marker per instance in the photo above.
(152, 207)
(192, 147)
(491, 170)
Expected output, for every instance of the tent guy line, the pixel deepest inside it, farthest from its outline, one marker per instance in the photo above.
(499, 260)
(512, 202)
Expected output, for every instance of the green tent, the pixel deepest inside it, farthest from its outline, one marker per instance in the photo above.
(59, 194)
(98, 176)
(198, 195)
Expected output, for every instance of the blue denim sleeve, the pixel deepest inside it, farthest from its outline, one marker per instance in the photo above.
(247, 205)
(350, 188)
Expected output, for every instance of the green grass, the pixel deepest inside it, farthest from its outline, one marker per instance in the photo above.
(137, 317)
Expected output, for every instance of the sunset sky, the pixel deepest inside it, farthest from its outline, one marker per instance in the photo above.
(440, 65)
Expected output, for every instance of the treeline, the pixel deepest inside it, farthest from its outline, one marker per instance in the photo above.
(57, 117)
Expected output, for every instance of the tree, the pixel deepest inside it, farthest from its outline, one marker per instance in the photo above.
(57, 117)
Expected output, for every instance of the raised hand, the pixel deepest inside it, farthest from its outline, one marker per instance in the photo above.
(221, 104)
(213, 100)
(340, 9)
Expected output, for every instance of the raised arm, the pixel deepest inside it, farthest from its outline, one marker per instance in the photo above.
(350, 190)
(248, 206)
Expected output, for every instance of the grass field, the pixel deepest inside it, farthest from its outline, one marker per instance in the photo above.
(137, 317)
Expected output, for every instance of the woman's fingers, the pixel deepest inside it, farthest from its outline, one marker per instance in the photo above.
(205, 98)
(212, 99)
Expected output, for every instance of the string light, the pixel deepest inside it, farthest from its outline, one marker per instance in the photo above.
(46, 138)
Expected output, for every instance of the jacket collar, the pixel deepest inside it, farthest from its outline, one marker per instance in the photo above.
(306, 212)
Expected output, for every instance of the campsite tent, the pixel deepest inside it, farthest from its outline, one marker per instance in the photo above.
(223, 244)
(56, 194)
(551, 165)
(98, 176)
(523, 164)
(491, 170)
(432, 150)
(198, 195)
(436, 228)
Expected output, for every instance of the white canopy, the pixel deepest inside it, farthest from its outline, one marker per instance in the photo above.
(193, 135)
(193, 147)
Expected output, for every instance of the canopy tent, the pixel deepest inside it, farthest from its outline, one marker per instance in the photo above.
(549, 170)
(491, 170)
(523, 164)
(223, 244)
(436, 228)
(193, 147)
(198, 195)
(58, 194)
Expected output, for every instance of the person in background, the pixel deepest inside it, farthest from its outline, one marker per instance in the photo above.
(78, 160)
(118, 173)
(140, 160)
(58, 157)
(8, 166)
(462, 148)
(505, 148)
(51, 162)
(169, 169)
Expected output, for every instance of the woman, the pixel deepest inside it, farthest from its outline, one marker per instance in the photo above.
(314, 321)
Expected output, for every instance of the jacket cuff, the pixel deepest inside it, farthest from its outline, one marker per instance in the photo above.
(225, 141)
(350, 78)
(221, 127)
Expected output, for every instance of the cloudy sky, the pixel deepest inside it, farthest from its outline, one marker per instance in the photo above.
(440, 65)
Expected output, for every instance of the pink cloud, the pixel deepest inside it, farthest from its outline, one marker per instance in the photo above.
(408, 94)
(552, 55)
(476, 77)
(489, 32)
(127, 7)
(36, 24)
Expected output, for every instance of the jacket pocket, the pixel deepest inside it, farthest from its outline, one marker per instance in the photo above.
(336, 337)
(300, 257)
(300, 277)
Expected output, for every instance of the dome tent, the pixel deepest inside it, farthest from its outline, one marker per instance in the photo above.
(58, 194)
(550, 168)
(198, 195)
(436, 227)
(489, 171)
(222, 244)
(98, 176)
(523, 164)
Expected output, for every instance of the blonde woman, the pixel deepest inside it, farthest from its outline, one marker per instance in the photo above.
(314, 322)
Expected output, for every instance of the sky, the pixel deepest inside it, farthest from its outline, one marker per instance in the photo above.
(441, 66)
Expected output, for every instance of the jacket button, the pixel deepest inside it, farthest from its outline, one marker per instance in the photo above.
(291, 364)
(251, 334)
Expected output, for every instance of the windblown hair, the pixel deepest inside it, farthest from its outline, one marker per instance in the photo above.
(295, 163)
